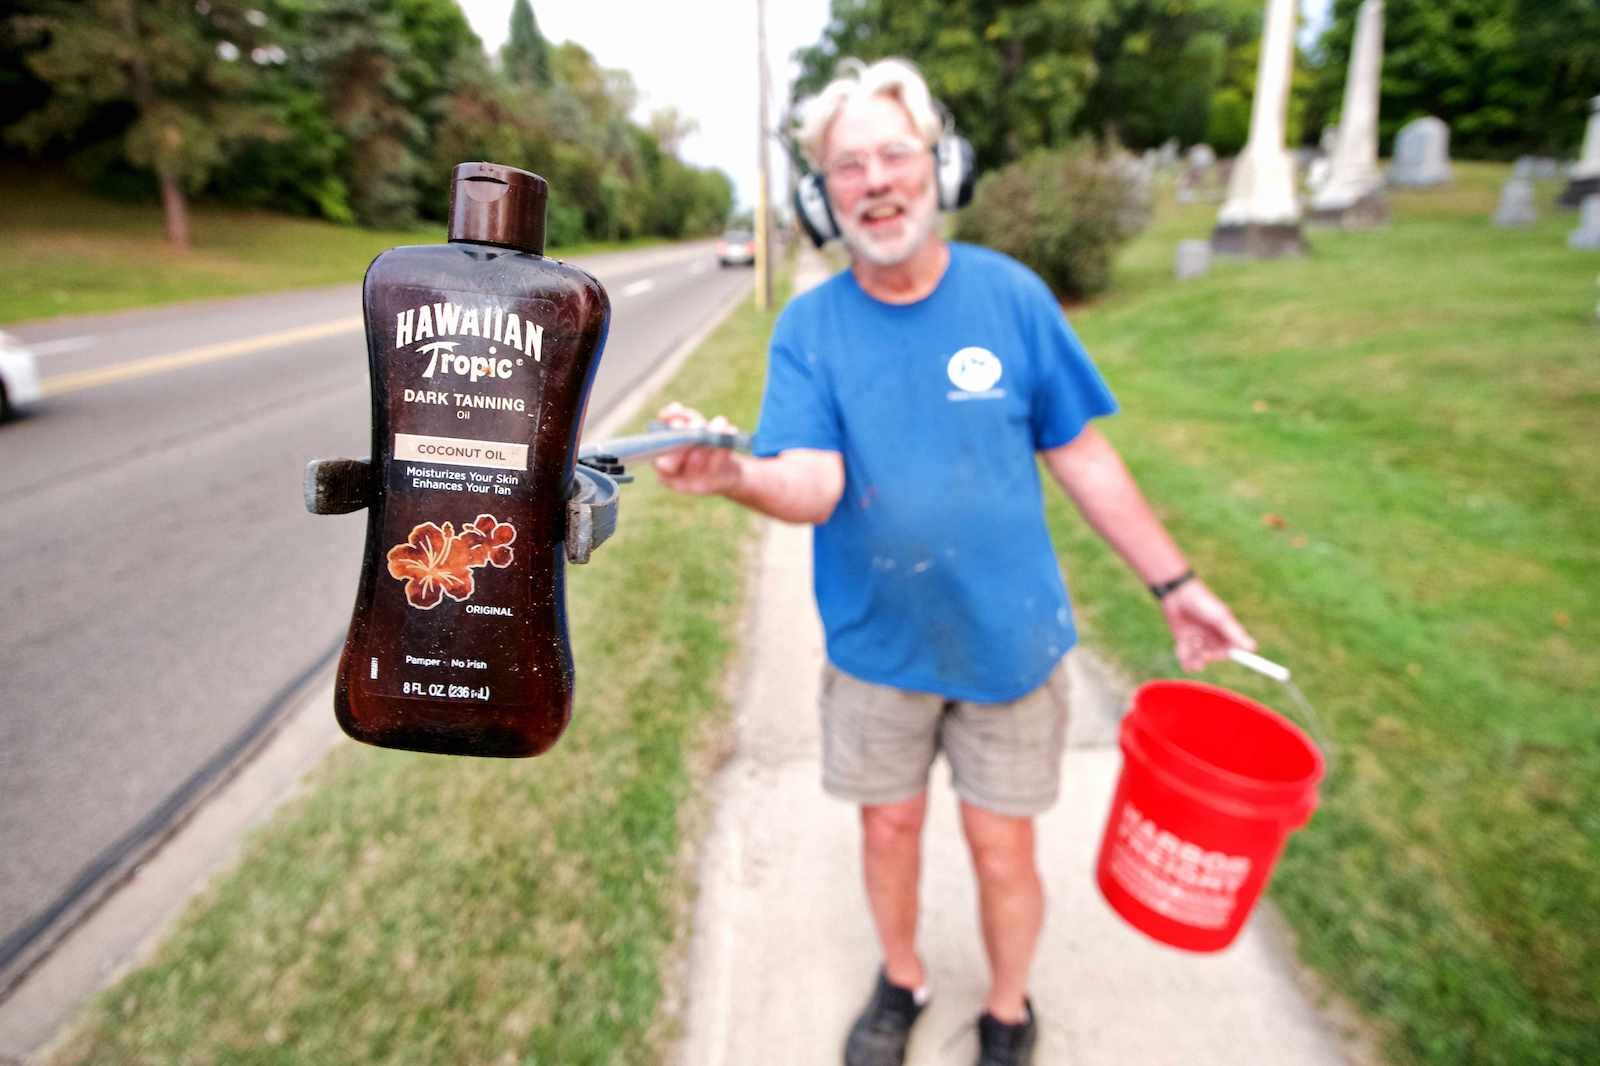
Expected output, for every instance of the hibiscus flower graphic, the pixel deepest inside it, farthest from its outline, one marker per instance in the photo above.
(490, 541)
(436, 561)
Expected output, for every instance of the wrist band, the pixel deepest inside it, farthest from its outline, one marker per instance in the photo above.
(1166, 588)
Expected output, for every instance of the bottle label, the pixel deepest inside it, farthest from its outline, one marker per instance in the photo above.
(465, 378)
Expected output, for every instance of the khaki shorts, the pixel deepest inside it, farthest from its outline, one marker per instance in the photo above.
(878, 744)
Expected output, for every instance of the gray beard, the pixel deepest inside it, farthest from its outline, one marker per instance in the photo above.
(922, 219)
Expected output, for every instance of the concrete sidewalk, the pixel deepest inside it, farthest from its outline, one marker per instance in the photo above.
(783, 953)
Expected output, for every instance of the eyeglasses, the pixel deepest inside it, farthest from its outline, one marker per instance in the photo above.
(850, 170)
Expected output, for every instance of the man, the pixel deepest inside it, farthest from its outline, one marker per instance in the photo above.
(906, 400)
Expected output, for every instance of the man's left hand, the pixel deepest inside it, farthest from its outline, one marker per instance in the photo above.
(1202, 626)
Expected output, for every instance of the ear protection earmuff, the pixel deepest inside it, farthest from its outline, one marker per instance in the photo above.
(954, 173)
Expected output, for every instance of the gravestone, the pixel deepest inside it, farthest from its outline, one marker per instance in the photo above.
(1133, 170)
(1421, 153)
(1194, 259)
(1587, 235)
(1352, 195)
(1261, 217)
(1145, 167)
(1198, 180)
(1516, 204)
(1536, 168)
(1317, 173)
(1584, 180)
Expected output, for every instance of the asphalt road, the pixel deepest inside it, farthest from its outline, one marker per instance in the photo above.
(164, 584)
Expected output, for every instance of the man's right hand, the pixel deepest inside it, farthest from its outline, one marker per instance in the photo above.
(698, 471)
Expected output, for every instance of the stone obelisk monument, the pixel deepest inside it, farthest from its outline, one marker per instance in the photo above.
(1261, 217)
(1353, 194)
(1585, 177)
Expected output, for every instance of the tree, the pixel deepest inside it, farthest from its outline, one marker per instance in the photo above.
(1559, 47)
(1228, 127)
(372, 97)
(445, 64)
(481, 117)
(368, 103)
(525, 57)
(385, 72)
(361, 59)
(185, 68)
(598, 155)
(671, 128)
(679, 199)
(1158, 62)
(1509, 76)
(1015, 75)
(300, 170)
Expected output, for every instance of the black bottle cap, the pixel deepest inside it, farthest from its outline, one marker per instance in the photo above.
(495, 204)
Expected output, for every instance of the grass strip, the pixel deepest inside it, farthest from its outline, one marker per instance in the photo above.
(421, 909)
(1383, 455)
(67, 252)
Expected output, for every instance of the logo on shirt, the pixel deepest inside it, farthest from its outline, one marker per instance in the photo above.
(974, 371)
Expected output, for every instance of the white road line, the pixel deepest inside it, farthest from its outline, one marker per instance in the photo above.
(65, 344)
(700, 268)
(637, 288)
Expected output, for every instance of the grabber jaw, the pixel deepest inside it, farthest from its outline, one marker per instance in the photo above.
(341, 486)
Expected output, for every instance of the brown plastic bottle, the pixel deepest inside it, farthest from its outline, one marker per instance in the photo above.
(481, 353)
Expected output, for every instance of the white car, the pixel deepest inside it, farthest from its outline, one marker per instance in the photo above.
(736, 248)
(19, 376)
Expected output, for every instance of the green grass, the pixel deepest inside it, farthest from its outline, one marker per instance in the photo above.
(420, 909)
(1384, 456)
(66, 252)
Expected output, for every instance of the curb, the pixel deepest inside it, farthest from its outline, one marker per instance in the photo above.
(127, 922)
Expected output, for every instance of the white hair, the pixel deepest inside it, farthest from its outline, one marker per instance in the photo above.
(894, 78)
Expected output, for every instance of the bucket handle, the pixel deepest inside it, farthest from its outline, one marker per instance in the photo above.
(1280, 673)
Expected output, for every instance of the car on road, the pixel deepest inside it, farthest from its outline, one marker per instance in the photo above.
(736, 247)
(19, 376)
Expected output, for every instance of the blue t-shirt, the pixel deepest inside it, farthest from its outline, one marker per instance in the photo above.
(935, 572)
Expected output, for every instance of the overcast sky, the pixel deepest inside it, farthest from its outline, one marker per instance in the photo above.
(700, 58)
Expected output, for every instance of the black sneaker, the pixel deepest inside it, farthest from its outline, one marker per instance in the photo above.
(880, 1035)
(1000, 1044)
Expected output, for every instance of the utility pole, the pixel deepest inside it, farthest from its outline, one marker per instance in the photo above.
(763, 213)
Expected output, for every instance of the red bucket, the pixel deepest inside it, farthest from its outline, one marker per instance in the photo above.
(1212, 785)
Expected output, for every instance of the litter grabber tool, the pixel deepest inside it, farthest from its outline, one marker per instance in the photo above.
(341, 486)
(661, 439)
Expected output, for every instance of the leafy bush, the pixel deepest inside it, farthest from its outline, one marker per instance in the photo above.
(1063, 212)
